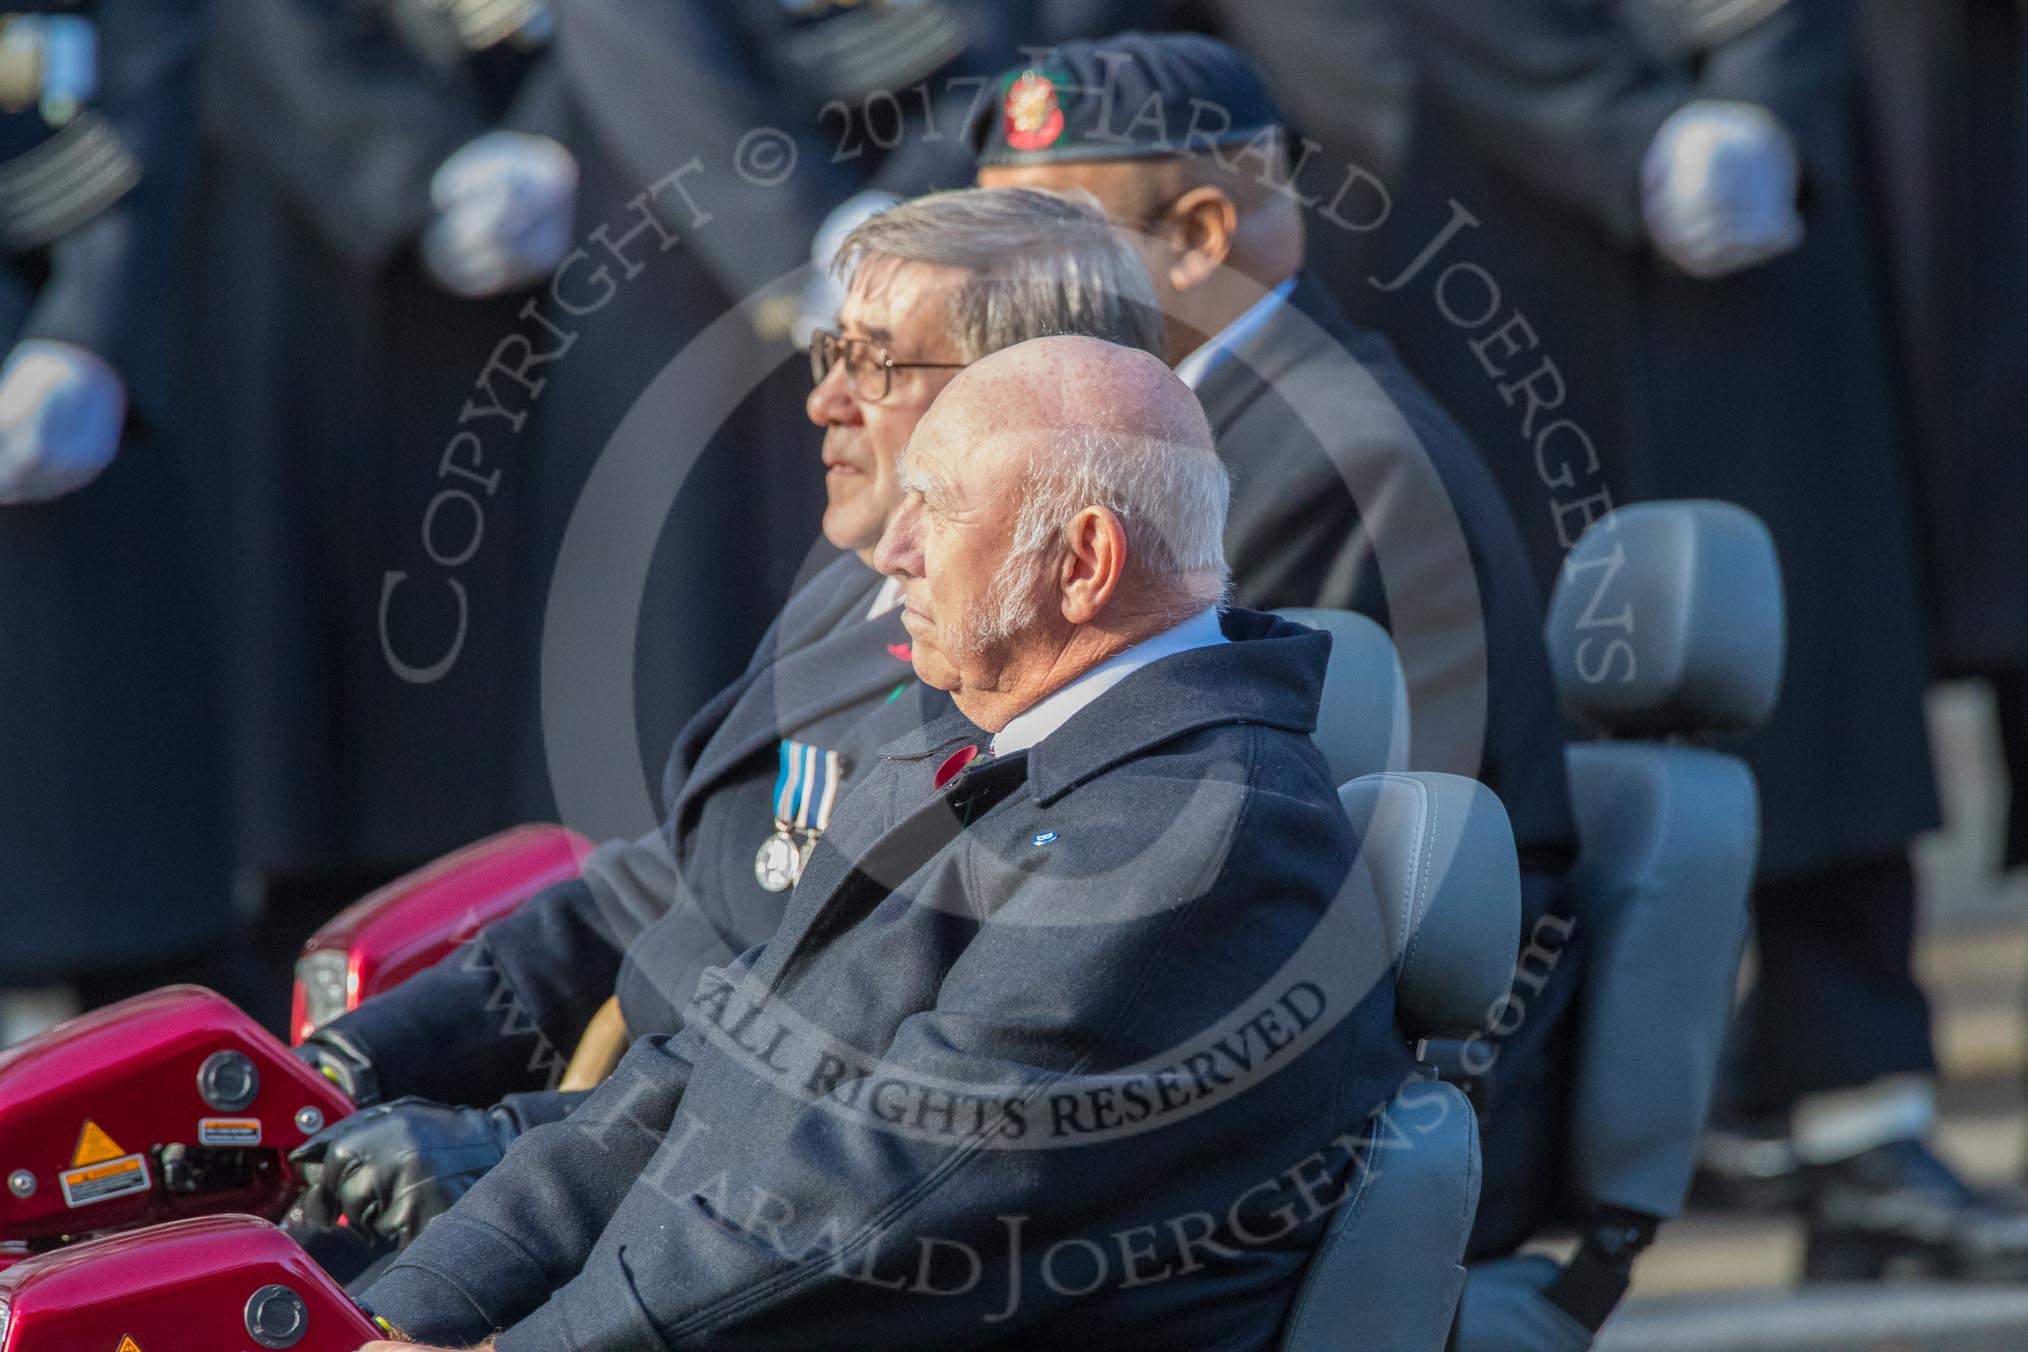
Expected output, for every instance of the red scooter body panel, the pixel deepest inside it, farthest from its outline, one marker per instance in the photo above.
(194, 1286)
(385, 938)
(140, 1073)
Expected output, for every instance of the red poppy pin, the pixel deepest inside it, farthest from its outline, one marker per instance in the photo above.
(955, 764)
(901, 652)
(1033, 116)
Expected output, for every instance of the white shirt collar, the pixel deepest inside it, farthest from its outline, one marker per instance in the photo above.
(1194, 368)
(1201, 630)
(886, 599)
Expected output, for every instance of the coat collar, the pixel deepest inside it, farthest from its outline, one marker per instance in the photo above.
(1271, 673)
(1215, 351)
(835, 659)
(938, 736)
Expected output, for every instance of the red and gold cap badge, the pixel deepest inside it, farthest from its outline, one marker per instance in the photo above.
(1033, 116)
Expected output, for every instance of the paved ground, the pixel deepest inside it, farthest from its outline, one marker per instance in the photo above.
(1827, 1319)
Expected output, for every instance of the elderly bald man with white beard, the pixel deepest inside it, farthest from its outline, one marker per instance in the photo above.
(1035, 1056)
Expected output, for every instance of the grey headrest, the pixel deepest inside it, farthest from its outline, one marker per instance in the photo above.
(1362, 727)
(1441, 855)
(1668, 619)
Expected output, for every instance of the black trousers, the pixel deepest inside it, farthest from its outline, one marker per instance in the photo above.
(2010, 689)
(1524, 1100)
(1836, 1004)
(1835, 1007)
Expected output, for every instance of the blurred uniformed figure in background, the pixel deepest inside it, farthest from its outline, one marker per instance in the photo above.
(111, 823)
(1668, 196)
(367, 229)
(1947, 94)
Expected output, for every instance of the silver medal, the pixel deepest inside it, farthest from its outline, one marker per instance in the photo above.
(777, 862)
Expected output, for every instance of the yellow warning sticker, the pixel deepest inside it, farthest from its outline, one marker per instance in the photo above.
(127, 1344)
(103, 1182)
(94, 1146)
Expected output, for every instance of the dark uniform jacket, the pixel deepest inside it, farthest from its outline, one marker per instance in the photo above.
(1947, 86)
(381, 702)
(1593, 373)
(858, 96)
(1353, 489)
(505, 1011)
(973, 1041)
(1947, 93)
(111, 819)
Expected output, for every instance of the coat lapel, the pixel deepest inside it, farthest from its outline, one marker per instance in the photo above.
(1271, 675)
(858, 864)
(853, 663)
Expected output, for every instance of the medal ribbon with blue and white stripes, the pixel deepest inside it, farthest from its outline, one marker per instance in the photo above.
(806, 791)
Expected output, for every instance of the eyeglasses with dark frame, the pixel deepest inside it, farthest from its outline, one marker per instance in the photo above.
(869, 368)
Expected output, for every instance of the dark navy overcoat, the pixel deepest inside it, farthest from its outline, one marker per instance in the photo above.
(1053, 1054)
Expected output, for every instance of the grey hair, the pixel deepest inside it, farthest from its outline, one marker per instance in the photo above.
(1040, 263)
(1171, 497)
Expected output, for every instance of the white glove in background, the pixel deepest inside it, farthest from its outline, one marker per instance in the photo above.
(504, 203)
(1719, 188)
(61, 409)
(823, 293)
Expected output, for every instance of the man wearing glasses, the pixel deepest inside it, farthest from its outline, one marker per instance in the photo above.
(754, 777)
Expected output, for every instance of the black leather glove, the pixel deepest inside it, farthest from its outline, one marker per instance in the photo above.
(340, 1061)
(392, 1169)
